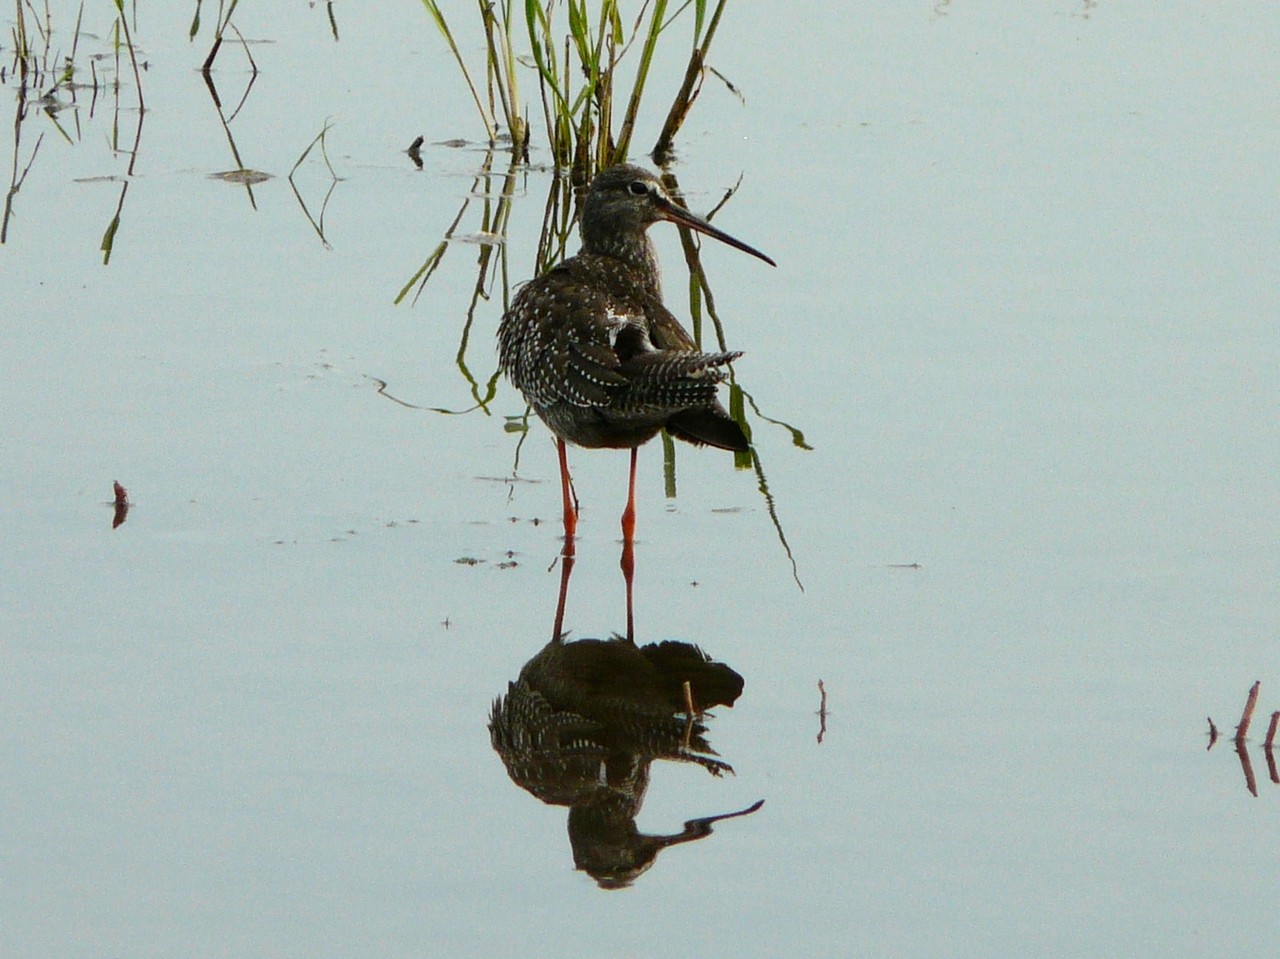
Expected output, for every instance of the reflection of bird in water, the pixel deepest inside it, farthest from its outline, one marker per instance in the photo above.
(599, 358)
(581, 726)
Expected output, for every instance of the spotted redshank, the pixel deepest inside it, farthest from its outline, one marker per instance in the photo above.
(598, 357)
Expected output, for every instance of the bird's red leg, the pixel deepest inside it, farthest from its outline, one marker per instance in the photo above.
(569, 498)
(629, 514)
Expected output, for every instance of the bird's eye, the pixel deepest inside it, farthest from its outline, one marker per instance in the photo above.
(637, 188)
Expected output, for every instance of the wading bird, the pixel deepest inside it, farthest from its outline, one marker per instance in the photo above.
(597, 356)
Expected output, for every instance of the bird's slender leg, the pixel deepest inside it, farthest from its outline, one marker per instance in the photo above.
(569, 497)
(629, 514)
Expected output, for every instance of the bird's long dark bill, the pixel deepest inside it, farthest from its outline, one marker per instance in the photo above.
(683, 217)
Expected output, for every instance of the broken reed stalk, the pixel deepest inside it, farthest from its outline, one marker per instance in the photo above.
(217, 37)
(1242, 730)
(1271, 730)
(692, 84)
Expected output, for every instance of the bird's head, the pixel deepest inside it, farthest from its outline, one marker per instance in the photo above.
(626, 200)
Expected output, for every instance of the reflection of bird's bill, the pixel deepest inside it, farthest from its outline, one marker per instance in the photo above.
(683, 217)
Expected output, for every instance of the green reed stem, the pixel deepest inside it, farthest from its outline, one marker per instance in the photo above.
(486, 117)
(502, 71)
(133, 57)
(656, 27)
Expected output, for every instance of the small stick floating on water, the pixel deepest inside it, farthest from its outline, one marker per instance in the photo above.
(1243, 729)
(121, 504)
(1271, 730)
(822, 712)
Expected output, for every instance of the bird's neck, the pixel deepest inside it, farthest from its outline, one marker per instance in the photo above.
(634, 249)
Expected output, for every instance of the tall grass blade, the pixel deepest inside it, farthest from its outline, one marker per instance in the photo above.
(486, 117)
(642, 75)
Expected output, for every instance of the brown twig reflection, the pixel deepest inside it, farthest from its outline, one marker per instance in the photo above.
(1241, 741)
(1268, 748)
(1243, 752)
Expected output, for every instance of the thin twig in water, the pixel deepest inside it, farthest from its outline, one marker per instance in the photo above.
(822, 711)
(121, 504)
(1242, 730)
(217, 37)
(1271, 730)
(689, 89)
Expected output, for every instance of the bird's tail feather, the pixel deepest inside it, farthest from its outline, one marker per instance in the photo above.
(709, 426)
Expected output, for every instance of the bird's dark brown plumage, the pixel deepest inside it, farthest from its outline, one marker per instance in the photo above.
(590, 345)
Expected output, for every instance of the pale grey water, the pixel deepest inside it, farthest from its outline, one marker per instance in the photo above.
(1025, 314)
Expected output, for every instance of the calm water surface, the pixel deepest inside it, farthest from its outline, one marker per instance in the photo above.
(1024, 315)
